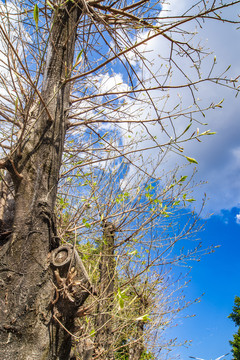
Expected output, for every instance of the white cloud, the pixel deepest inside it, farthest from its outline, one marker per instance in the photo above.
(238, 219)
(219, 155)
(110, 83)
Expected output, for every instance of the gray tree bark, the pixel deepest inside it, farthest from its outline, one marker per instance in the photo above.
(136, 347)
(104, 323)
(30, 322)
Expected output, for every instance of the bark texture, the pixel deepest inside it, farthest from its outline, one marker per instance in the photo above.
(104, 322)
(27, 328)
(136, 346)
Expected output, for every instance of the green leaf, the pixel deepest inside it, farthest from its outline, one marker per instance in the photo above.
(149, 187)
(220, 103)
(134, 252)
(121, 296)
(50, 5)
(92, 332)
(16, 105)
(187, 128)
(86, 224)
(145, 317)
(191, 160)
(208, 132)
(190, 200)
(211, 132)
(36, 15)
(121, 303)
(79, 56)
(183, 178)
(78, 59)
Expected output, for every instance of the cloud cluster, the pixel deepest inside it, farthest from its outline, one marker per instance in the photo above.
(218, 156)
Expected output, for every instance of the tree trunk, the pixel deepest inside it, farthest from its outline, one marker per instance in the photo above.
(103, 322)
(28, 329)
(136, 347)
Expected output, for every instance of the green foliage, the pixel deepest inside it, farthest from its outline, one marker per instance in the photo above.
(86, 224)
(36, 15)
(122, 197)
(236, 345)
(123, 353)
(191, 160)
(146, 355)
(235, 316)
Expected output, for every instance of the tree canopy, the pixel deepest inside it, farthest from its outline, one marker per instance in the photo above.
(235, 317)
(94, 96)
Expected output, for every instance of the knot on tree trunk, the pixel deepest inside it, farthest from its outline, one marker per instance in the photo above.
(72, 282)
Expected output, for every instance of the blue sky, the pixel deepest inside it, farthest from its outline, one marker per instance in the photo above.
(217, 274)
(217, 277)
